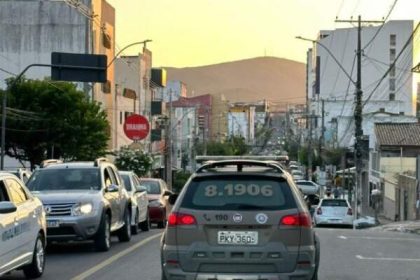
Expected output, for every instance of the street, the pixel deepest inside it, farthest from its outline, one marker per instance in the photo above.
(345, 255)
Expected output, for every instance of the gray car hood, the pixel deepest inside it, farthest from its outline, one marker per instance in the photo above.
(73, 196)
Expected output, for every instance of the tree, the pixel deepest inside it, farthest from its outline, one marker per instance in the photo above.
(133, 160)
(46, 120)
(235, 146)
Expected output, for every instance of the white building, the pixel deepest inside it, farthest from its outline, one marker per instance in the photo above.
(184, 132)
(31, 30)
(396, 94)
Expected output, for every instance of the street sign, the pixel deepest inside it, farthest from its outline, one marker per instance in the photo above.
(78, 67)
(136, 127)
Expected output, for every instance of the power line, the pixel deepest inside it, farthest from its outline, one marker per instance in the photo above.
(392, 64)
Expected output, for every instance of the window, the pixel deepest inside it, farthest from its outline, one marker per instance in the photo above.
(121, 117)
(127, 182)
(3, 192)
(391, 96)
(392, 40)
(16, 191)
(106, 87)
(392, 84)
(238, 193)
(392, 55)
(152, 187)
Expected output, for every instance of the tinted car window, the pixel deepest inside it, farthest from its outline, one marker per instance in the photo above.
(65, 179)
(152, 187)
(238, 193)
(127, 182)
(334, 203)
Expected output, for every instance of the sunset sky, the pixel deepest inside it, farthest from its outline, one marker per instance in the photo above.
(201, 32)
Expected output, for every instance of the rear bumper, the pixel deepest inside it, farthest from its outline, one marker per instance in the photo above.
(157, 214)
(347, 220)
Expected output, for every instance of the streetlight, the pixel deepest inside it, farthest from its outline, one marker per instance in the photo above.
(128, 46)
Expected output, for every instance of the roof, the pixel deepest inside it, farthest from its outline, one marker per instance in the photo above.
(398, 134)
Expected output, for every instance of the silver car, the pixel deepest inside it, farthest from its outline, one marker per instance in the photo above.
(139, 202)
(333, 212)
(308, 187)
(239, 219)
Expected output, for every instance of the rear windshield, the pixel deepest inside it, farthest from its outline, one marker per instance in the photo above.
(238, 193)
(303, 183)
(65, 179)
(152, 187)
(334, 203)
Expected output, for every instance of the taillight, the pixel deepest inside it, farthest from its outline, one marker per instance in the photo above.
(299, 220)
(319, 211)
(180, 219)
(349, 211)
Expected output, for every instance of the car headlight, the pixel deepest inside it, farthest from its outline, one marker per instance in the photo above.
(155, 203)
(82, 209)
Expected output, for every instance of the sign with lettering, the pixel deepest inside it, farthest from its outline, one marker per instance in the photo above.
(136, 127)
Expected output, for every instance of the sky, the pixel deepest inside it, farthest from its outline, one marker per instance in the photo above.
(188, 33)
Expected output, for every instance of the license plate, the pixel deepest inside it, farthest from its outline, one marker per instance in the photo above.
(53, 224)
(237, 237)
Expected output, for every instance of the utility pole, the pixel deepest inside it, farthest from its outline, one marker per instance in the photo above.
(310, 146)
(358, 110)
(322, 140)
(168, 144)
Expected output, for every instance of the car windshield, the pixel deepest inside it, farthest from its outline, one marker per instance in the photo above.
(127, 181)
(65, 179)
(334, 203)
(238, 193)
(151, 186)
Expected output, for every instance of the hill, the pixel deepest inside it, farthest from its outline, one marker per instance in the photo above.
(270, 78)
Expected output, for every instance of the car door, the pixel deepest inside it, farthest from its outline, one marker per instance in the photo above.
(112, 197)
(142, 200)
(27, 227)
(8, 251)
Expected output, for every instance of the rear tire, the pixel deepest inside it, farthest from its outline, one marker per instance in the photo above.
(145, 225)
(124, 233)
(103, 236)
(135, 228)
(36, 268)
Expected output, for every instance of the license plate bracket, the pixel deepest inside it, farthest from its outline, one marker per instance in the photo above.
(237, 238)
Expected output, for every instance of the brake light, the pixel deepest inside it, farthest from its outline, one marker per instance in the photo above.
(319, 211)
(300, 220)
(180, 219)
(350, 211)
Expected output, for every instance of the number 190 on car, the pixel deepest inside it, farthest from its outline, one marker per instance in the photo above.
(237, 237)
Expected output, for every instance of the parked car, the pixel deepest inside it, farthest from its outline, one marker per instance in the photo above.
(22, 173)
(157, 193)
(22, 228)
(333, 212)
(139, 202)
(239, 219)
(83, 201)
(308, 187)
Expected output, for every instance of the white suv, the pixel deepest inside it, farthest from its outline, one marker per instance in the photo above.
(22, 228)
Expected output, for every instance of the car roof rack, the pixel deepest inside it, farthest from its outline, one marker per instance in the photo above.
(240, 163)
(47, 162)
(100, 160)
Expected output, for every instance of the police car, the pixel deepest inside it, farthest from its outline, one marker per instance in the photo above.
(22, 228)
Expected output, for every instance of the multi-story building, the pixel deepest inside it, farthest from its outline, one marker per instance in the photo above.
(36, 28)
(330, 90)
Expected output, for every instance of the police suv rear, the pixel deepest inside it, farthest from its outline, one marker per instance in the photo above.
(239, 219)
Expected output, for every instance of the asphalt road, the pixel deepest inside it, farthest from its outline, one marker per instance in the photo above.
(345, 255)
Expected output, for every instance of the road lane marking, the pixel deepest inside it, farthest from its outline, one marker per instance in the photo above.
(387, 259)
(379, 238)
(114, 258)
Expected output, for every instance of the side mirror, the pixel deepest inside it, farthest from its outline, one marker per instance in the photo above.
(112, 188)
(172, 199)
(7, 207)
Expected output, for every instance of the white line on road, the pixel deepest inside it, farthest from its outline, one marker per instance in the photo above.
(115, 257)
(379, 238)
(387, 259)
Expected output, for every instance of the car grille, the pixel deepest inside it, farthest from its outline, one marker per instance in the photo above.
(62, 209)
